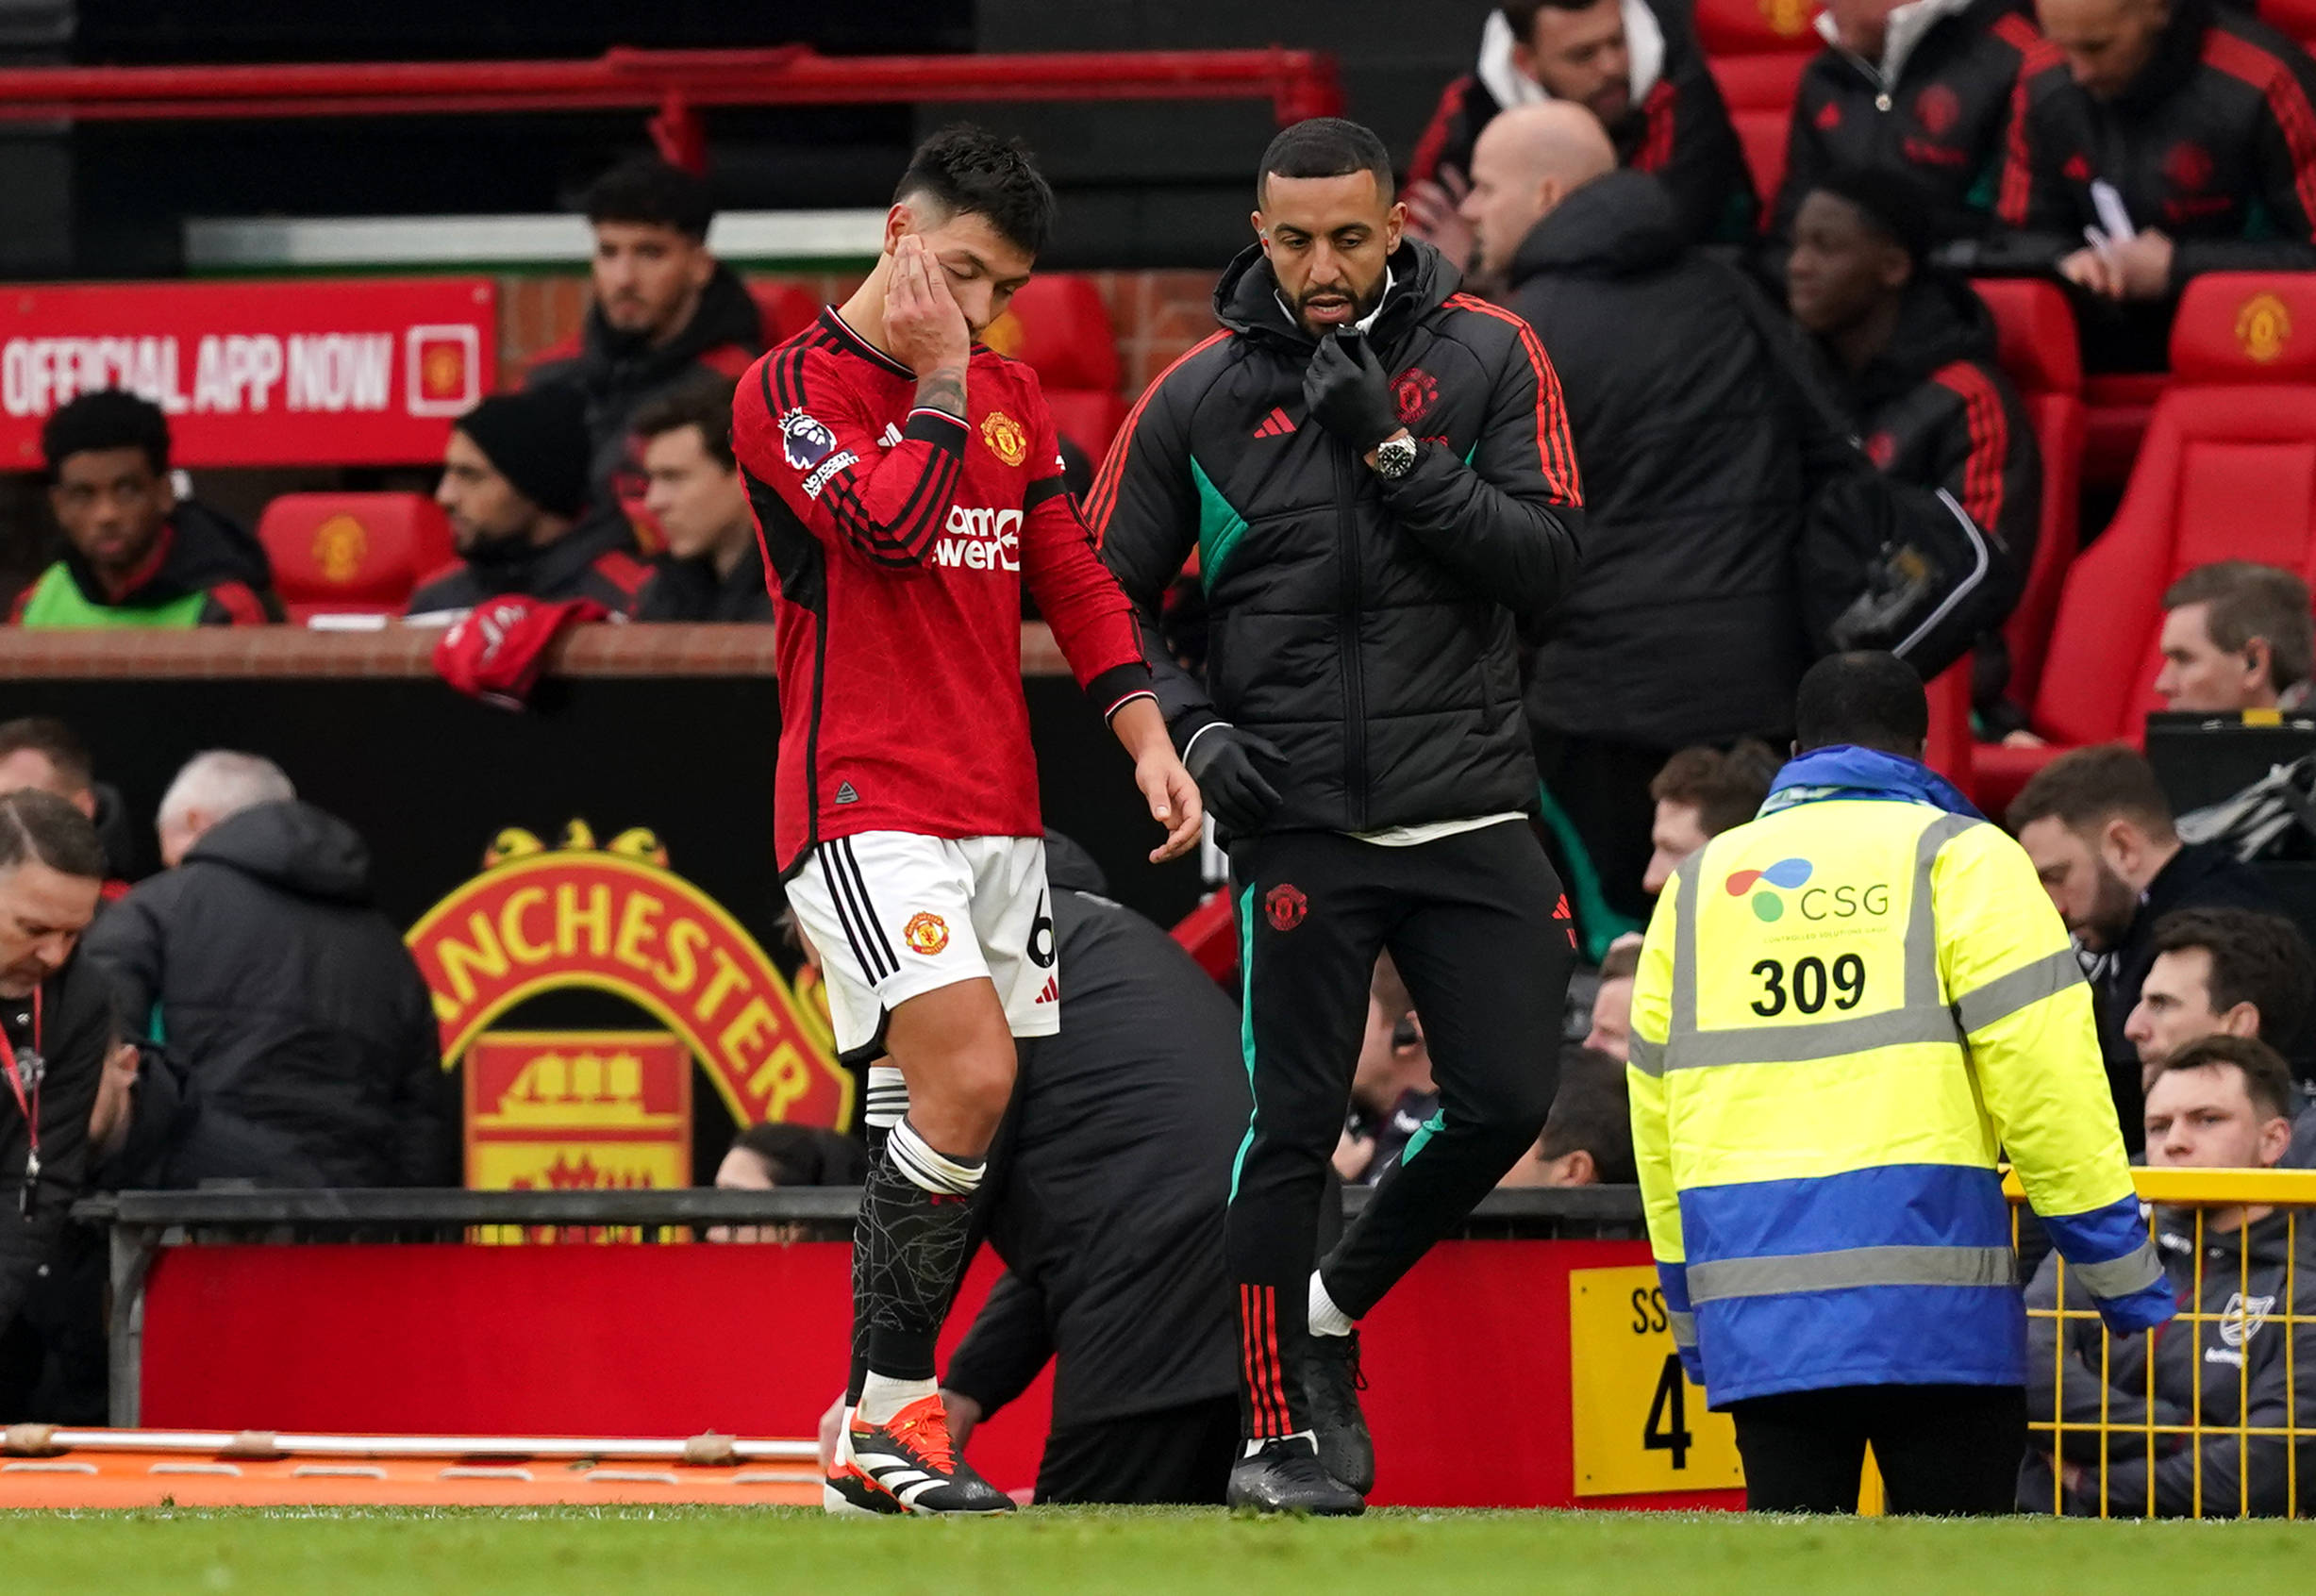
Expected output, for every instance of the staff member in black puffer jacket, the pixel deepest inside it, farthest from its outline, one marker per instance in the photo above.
(1378, 478)
(288, 1002)
(1685, 625)
(1908, 355)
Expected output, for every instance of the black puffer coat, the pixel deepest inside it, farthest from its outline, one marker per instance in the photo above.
(1366, 628)
(291, 1008)
(1684, 625)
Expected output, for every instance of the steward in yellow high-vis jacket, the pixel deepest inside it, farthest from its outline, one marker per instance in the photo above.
(1848, 1012)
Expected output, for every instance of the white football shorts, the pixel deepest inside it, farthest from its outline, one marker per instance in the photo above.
(893, 914)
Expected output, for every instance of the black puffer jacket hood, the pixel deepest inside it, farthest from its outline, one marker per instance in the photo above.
(610, 359)
(1620, 225)
(293, 846)
(205, 550)
(1247, 301)
(1940, 322)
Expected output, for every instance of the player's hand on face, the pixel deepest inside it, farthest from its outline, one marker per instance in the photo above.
(923, 323)
(1175, 802)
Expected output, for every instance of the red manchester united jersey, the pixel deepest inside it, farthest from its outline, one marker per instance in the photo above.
(897, 539)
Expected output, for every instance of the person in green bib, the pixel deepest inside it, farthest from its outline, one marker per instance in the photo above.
(136, 554)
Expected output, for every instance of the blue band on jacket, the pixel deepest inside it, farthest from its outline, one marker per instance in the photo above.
(1892, 1205)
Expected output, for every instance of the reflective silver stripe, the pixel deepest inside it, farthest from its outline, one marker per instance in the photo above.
(2029, 984)
(2120, 1277)
(1824, 1039)
(1684, 1329)
(1725, 1278)
(1645, 1055)
(1922, 1016)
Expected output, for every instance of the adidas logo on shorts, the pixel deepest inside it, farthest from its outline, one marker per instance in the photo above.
(1051, 992)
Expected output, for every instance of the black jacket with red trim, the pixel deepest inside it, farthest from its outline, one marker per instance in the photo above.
(200, 551)
(2213, 144)
(1678, 128)
(595, 559)
(1934, 409)
(1936, 107)
(690, 590)
(619, 374)
(1684, 625)
(1368, 629)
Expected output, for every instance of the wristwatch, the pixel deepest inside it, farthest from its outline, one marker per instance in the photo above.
(1394, 458)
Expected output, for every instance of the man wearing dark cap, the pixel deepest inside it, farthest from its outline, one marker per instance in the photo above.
(666, 312)
(1909, 353)
(514, 484)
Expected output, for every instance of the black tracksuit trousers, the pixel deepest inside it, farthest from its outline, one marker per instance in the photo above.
(1479, 929)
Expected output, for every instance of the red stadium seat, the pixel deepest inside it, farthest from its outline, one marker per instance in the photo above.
(2227, 472)
(2295, 18)
(1759, 90)
(352, 554)
(1948, 750)
(1757, 27)
(1058, 326)
(786, 309)
(2035, 327)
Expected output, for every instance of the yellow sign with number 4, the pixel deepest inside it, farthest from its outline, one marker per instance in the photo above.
(1640, 1427)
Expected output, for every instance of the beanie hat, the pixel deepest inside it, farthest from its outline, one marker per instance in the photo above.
(1892, 202)
(538, 440)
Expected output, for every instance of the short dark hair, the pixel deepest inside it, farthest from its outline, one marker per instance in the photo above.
(806, 1155)
(705, 403)
(969, 170)
(42, 826)
(1621, 962)
(55, 742)
(1727, 786)
(1326, 146)
(2249, 600)
(1869, 698)
(110, 418)
(1591, 1113)
(2085, 788)
(2266, 1079)
(647, 190)
(1521, 14)
(2261, 959)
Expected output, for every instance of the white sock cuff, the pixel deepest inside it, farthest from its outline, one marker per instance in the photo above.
(888, 1097)
(936, 1172)
(1325, 1318)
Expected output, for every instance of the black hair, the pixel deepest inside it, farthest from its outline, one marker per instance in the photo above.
(2085, 788)
(1890, 204)
(969, 170)
(1869, 698)
(806, 1155)
(2261, 959)
(705, 403)
(54, 742)
(2266, 1079)
(1521, 14)
(110, 418)
(1591, 1113)
(1326, 146)
(649, 190)
(43, 826)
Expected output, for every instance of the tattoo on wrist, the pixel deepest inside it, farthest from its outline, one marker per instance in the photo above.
(943, 389)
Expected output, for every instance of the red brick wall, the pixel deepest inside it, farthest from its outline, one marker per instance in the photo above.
(1157, 314)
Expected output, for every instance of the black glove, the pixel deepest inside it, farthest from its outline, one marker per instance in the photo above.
(1224, 762)
(1347, 393)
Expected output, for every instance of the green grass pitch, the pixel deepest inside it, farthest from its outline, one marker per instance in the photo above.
(720, 1552)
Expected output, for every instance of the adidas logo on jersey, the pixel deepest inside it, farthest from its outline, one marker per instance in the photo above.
(1278, 423)
(891, 438)
(1050, 994)
(846, 793)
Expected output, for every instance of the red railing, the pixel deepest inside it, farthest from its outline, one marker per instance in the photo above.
(678, 83)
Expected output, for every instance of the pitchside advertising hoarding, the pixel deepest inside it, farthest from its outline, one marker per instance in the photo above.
(360, 372)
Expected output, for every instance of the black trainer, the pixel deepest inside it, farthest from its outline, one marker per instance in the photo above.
(1284, 1478)
(909, 1460)
(1331, 1388)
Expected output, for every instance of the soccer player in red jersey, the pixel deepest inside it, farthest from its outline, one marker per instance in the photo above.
(906, 481)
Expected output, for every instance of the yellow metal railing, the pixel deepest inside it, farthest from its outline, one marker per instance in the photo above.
(2249, 1333)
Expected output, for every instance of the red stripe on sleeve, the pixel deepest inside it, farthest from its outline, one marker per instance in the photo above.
(1424, 165)
(1101, 497)
(1989, 442)
(241, 604)
(1555, 451)
(2250, 64)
